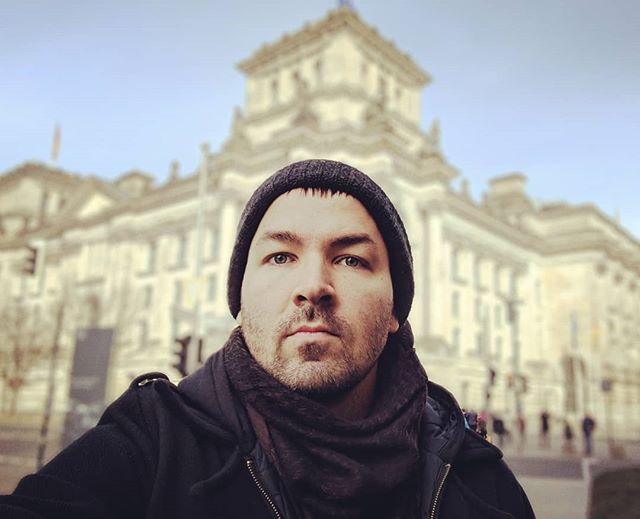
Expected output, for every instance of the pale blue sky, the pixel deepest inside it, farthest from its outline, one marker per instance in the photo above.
(550, 88)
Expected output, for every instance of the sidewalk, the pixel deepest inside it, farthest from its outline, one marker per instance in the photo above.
(601, 451)
(532, 460)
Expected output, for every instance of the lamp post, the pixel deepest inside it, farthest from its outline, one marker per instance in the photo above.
(518, 381)
(192, 361)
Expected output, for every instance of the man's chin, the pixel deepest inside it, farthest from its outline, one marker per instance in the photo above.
(313, 380)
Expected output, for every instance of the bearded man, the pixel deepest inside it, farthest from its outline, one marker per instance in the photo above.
(316, 406)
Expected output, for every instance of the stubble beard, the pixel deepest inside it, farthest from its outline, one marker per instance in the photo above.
(307, 372)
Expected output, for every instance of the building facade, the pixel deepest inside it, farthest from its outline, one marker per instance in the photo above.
(520, 307)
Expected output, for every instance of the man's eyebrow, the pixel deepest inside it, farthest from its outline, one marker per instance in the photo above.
(280, 236)
(351, 239)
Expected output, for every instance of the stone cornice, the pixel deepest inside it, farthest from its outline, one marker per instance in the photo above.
(562, 211)
(185, 189)
(88, 187)
(483, 248)
(592, 242)
(568, 243)
(468, 210)
(51, 176)
(335, 21)
(254, 160)
(354, 93)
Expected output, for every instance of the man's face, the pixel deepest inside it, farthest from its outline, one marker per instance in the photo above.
(317, 298)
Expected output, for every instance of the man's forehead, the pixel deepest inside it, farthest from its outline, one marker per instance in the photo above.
(317, 214)
(317, 208)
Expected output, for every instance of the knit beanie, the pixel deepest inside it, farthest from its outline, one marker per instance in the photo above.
(337, 177)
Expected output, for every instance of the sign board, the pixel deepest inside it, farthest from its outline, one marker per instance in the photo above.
(88, 387)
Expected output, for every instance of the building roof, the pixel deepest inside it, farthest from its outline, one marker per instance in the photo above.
(334, 21)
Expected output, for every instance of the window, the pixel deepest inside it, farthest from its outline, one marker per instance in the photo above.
(455, 264)
(496, 279)
(477, 272)
(152, 253)
(275, 95)
(479, 344)
(212, 289)
(498, 352)
(214, 243)
(478, 309)
(143, 334)
(177, 292)
(147, 296)
(318, 69)
(497, 315)
(181, 251)
(455, 338)
(455, 303)
(382, 88)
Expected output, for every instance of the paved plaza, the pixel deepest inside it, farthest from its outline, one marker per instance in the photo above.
(557, 484)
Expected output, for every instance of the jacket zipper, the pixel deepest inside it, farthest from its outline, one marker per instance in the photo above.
(262, 490)
(434, 508)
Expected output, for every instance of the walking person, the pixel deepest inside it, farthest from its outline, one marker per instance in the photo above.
(545, 419)
(499, 429)
(522, 433)
(588, 426)
(567, 432)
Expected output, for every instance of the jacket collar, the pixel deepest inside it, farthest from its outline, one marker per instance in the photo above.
(445, 440)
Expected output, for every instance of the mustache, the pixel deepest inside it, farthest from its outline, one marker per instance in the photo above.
(311, 315)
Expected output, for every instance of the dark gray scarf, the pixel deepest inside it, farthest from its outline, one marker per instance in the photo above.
(337, 468)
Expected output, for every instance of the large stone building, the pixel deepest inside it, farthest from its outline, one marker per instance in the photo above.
(519, 306)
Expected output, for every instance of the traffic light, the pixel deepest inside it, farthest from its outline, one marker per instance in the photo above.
(181, 353)
(31, 261)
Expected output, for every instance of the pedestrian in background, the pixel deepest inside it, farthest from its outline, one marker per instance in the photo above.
(499, 429)
(522, 433)
(567, 446)
(482, 424)
(588, 425)
(544, 429)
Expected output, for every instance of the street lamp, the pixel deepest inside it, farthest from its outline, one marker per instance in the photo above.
(519, 382)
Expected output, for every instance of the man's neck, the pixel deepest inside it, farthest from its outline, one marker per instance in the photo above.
(355, 404)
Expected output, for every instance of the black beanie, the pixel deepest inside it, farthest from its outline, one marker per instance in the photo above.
(335, 176)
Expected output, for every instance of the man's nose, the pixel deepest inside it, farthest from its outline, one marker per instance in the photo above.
(315, 285)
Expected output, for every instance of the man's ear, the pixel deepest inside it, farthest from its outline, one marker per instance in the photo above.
(394, 325)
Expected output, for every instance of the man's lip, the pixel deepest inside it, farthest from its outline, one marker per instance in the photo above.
(313, 329)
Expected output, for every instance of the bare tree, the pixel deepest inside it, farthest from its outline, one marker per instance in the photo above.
(23, 343)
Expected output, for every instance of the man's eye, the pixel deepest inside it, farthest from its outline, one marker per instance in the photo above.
(279, 259)
(352, 261)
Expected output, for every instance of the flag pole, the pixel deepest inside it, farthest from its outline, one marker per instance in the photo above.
(55, 145)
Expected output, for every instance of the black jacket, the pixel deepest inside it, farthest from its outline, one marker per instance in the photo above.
(162, 451)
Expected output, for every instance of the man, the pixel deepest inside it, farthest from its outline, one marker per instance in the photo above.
(588, 426)
(315, 407)
(545, 439)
